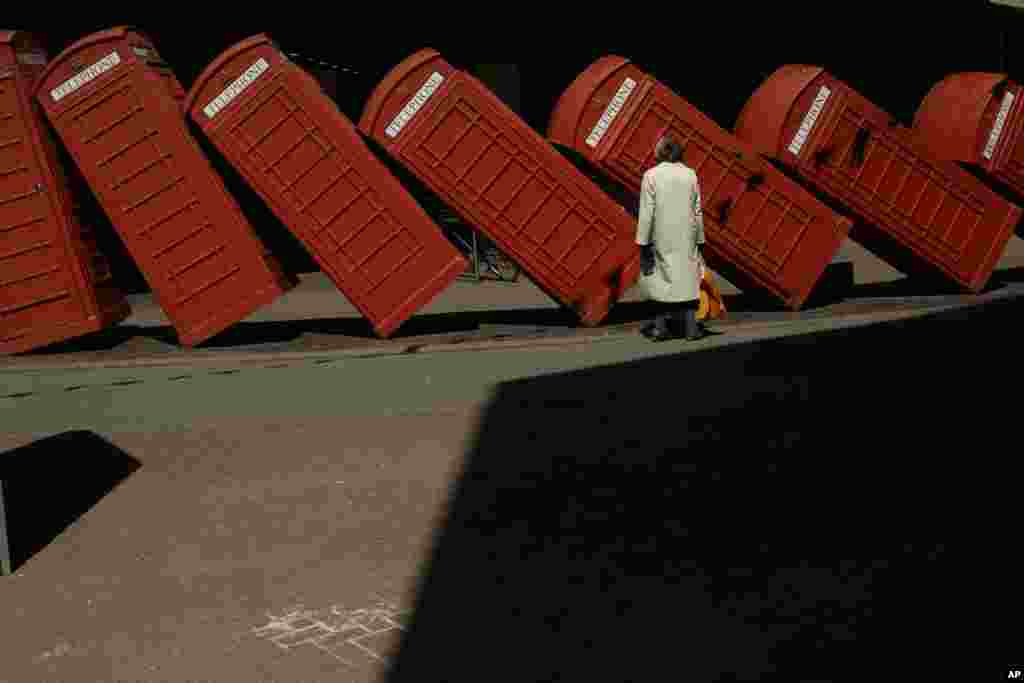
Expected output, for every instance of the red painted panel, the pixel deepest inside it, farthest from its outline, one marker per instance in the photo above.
(114, 104)
(54, 282)
(919, 209)
(977, 118)
(573, 240)
(762, 229)
(273, 123)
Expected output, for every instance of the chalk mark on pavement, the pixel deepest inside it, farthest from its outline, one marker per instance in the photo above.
(354, 637)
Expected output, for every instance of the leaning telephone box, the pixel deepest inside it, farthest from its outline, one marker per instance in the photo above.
(762, 229)
(976, 118)
(918, 212)
(453, 133)
(273, 123)
(117, 107)
(55, 284)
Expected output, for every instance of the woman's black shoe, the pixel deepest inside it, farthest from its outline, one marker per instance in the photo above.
(657, 333)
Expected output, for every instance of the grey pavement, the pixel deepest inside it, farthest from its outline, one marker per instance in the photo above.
(282, 518)
(285, 504)
(370, 382)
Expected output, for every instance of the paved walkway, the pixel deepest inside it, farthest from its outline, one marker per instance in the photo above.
(274, 521)
(278, 505)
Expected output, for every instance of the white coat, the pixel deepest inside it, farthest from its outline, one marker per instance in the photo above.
(670, 217)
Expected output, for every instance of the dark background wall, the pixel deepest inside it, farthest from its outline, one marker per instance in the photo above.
(713, 56)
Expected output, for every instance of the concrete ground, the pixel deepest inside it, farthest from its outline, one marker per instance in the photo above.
(275, 507)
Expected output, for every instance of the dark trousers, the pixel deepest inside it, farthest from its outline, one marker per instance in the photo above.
(680, 318)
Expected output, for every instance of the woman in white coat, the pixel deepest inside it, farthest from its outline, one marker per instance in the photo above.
(670, 230)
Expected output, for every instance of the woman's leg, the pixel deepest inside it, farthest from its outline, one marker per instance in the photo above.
(686, 320)
(662, 325)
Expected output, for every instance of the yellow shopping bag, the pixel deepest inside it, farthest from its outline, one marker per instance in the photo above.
(712, 305)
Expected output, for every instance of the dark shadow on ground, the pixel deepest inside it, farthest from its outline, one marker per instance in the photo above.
(903, 287)
(49, 484)
(1009, 275)
(109, 338)
(622, 524)
(267, 333)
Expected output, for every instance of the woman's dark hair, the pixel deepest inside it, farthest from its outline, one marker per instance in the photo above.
(669, 149)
